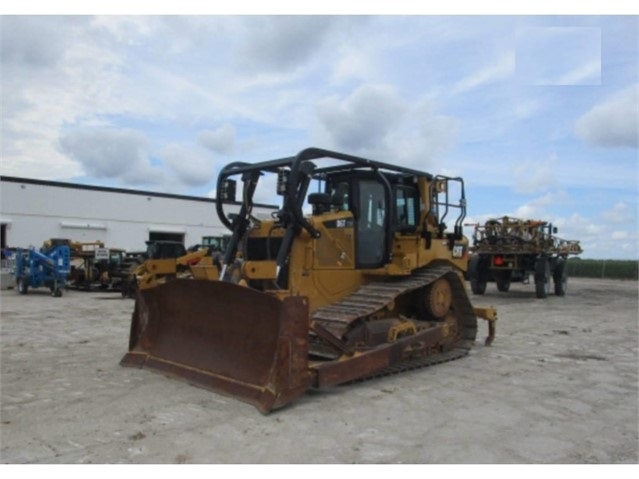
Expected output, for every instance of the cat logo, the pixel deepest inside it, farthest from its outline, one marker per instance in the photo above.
(458, 251)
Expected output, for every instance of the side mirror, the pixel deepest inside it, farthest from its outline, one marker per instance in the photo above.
(441, 186)
(227, 190)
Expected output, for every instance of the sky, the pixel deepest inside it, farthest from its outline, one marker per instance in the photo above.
(538, 113)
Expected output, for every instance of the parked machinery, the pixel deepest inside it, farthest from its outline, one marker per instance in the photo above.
(167, 260)
(217, 244)
(369, 283)
(509, 249)
(95, 267)
(48, 267)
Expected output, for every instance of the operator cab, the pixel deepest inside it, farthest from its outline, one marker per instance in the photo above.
(368, 197)
(384, 200)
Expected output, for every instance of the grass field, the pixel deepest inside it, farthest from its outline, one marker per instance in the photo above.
(600, 268)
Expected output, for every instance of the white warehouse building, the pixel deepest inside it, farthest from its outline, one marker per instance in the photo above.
(33, 211)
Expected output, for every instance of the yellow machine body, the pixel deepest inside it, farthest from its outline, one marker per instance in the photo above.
(368, 283)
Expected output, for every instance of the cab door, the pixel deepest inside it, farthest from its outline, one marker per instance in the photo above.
(370, 223)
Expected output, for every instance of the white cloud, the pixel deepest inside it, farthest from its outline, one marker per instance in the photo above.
(598, 238)
(526, 108)
(502, 68)
(220, 140)
(362, 120)
(588, 73)
(535, 175)
(34, 41)
(131, 30)
(616, 235)
(559, 55)
(41, 161)
(53, 74)
(538, 208)
(109, 153)
(282, 43)
(190, 166)
(353, 64)
(375, 122)
(612, 123)
(422, 139)
(577, 224)
(620, 213)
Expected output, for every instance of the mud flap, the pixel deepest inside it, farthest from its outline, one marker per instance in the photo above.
(227, 338)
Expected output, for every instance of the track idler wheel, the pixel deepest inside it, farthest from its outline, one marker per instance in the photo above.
(439, 298)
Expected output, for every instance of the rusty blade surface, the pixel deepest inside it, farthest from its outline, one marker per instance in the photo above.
(227, 338)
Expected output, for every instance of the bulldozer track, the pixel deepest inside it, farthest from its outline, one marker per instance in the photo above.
(374, 296)
(419, 363)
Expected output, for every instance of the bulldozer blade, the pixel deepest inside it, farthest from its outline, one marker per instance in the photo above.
(227, 338)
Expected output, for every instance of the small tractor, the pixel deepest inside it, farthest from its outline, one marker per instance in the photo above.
(509, 249)
(356, 276)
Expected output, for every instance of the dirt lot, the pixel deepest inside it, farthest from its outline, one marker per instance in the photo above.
(559, 385)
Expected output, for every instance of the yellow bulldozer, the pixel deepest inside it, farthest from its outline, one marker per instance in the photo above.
(358, 279)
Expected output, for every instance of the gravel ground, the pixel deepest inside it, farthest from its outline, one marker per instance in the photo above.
(558, 386)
